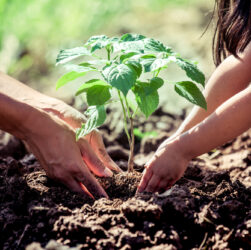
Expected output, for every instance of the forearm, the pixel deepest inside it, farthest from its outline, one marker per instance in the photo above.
(17, 106)
(16, 90)
(231, 77)
(228, 121)
(14, 116)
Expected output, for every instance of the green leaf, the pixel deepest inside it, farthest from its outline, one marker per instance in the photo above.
(156, 83)
(77, 71)
(126, 56)
(94, 63)
(99, 42)
(147, 63)
(161, 63)
(97, 116)
(152, 63)
(140, 44)
(83, 67)
(97, 91)
(191, 70)
(68, 77)
(94, 39)
(152, 45)
(147, 104)
(131, 37)
(89, 84)
(129, 46)
(98, 95)
(191, 92)
(147, 96)
(67, 55)
(120, 76)
(135, 65)
(142, 135)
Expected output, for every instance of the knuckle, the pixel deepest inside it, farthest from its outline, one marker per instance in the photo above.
(98, 164)
(58, 175)
(74, 170)
(174, 177)
(84, 142)
(103, 152)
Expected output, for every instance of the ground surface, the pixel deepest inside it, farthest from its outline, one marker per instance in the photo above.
(209, 208)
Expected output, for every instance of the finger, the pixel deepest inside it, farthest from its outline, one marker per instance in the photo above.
(153, 184)
(96, 141)
(166, 185)
(171, 182)
(163, 186)
(77, 187)
(92, 161)
(147, 174)
(89, 181)
(86, 190)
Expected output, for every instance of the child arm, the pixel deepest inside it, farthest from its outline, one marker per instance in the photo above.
(170, 161)
(231, 76)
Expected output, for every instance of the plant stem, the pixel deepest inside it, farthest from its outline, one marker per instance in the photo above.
(131, 155)
(125, 118)
(108, 54)
(135, 112)
(158, 72)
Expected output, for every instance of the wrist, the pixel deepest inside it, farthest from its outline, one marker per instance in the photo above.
(15, 116)
(183, 148)
(30, 121)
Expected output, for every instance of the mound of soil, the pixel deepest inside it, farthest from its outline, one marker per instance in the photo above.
(209, 208)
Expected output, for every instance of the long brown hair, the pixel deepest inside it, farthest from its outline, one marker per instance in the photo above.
(233, 29)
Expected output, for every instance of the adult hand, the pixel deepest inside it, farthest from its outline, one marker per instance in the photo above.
(166, 166)
(51, 138)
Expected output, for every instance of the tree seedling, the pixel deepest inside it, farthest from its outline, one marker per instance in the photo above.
(127, 60)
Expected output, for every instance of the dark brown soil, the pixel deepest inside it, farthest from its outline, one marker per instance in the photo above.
(209, 208)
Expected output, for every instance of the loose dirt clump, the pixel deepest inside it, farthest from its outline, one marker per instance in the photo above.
(209, 208)
(122, 185)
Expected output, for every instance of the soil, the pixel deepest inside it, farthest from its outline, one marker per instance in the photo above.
(209, 208)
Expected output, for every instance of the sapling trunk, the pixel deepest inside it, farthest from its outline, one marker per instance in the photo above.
(127, 115)
(131, 155)
(131, 143)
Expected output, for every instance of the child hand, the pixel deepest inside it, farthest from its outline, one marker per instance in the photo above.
(166, 167)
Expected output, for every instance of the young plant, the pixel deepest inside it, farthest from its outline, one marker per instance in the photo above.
(128, 59)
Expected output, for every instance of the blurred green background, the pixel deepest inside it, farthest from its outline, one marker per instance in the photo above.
(33, 31)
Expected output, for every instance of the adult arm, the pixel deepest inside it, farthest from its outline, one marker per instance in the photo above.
(47, 126)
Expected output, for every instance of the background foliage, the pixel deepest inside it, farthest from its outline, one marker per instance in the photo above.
(32, 32)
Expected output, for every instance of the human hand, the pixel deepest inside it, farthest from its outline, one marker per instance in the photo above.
(75, 119)
(167, 165)
(51, 137)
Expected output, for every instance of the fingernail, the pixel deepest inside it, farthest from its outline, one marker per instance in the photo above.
(115, 166)
(107, 172)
